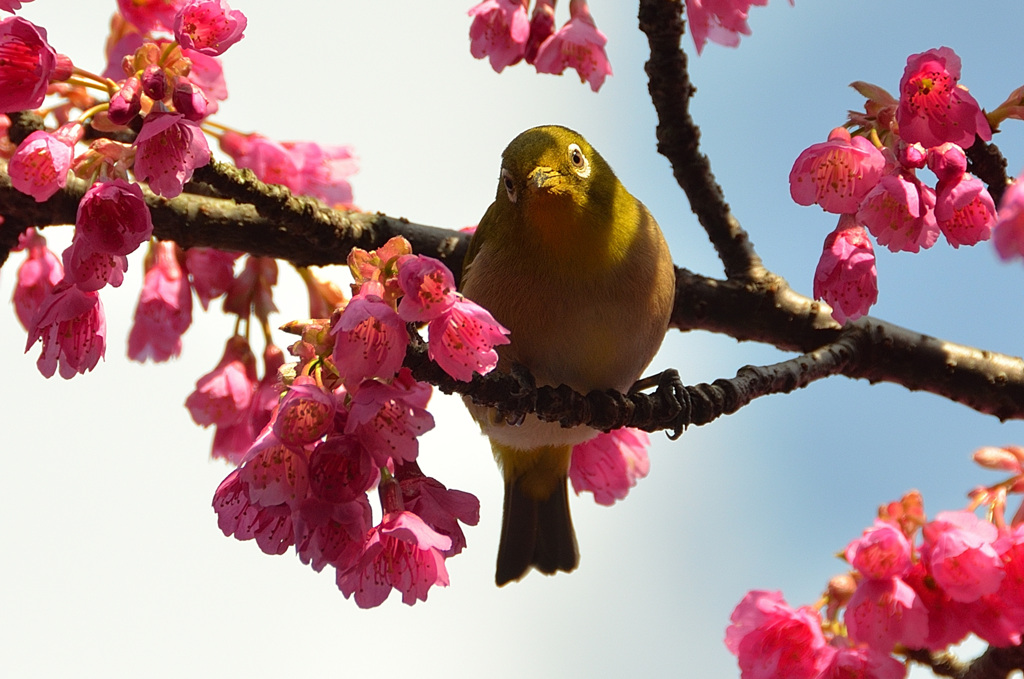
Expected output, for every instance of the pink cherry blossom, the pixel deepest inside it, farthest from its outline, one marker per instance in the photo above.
(947, 161)
(442, 509)
(861, 662)
(462, 339)
(323, 171)
(964, 210)
(578, 44)
(89, 269)
(882, 613)
(370, 341)
(73, 328)
(37, 276)
(883, 551)
(542, 25)
(402, 553)
(237, 515)
(268, 159)
(1008, 231)
(428, 288)
(113, 217)
(189, 100)
(11, 5)
(126, 103)
(836, 174)
(610, 464)
(933, 108)
(275, 473)
(232, 441)
(960, 556)
(341, 469)
(306, 413)
(948, 621)
(27, 65)
(164, 311)
(333, 534)
(845, 277)
(150, 15)
(252, 291)
(720, 21)
(208, 26)
(387, 419)
(770, 639)
(499, 29)
(211, 272)
(222, 397)
(207, 74)
(899, 212)
(40, 165)
(168, 149)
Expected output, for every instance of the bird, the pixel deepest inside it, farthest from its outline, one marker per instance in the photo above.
(578, 271)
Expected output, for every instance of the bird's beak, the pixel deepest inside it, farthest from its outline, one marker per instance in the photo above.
(543, 178)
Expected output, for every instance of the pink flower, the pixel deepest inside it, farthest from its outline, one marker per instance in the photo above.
(208, 26)
(252, 291)
(275, 473)
(845, 277)
(370, 341)
(222, 397)
(238, 516)
(113, 217)
(500, 29)
(402, 553)
(948, 162)
(882, 613)
(332, 534)
(836, 174)
(933, 108)
(150, 15)
(169, 149)
(864, 663)
(387, 418)
(959, 554)
(73, 328)
(542, 25)
(899, 212)
(89, 269)
(440, 508)
(37, 276)
(189, 100)
(964, 210)
(164, 311)
(462, 339)
(232, 441)
(720, 21)
(948, 621)
(428, 288)
(27, 65)
(211, 272)
(40, 165)
(578, 44)
(306, 413)
(883, 551)
(610, 464)
(208, 75)
(11, 5)
(770, 639)
(323, 171)
(1008, 231)
(126, 103)
(341, 470)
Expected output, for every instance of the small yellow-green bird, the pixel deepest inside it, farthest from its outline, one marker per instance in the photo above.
(579, 272)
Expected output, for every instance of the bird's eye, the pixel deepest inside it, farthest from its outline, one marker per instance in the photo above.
(510, 187)
(579, 162)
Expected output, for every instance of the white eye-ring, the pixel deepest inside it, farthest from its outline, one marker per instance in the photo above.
(578, 161)
(510, 186)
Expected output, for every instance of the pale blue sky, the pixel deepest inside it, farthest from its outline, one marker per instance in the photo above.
(114, 565)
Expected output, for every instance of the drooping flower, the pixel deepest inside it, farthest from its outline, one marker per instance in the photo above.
(275, 473)
(37, 276)
(169, 148)
(164, 311)
(328, 533)
(113, 217)
(836, 174)
(370, 341)
(252, 291)
(964, 210)
(126, 103)
(542, 25)
(770, 639)
(899, 212)
(208, 26)
(462, 339)
(933, 108)
(948, 622)
(882, 613)
(222, 396)
(578, 44)
(306, 413)
(440, 508)
(610, 464)
(189, 100)
(428, 288)
(499, 29)
(90, 269)
(1008, 231)
(27, 65)
(883, 551)
(40, 165)
(211, 271)
(846, 278)
(341, 469)
(959, 553)
(387, 418)
(237, 515)
(73, 328)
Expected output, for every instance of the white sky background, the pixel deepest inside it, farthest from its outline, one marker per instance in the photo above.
(113, 564)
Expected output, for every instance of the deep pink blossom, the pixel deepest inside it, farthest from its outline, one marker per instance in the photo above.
(232, 441)
(861, 662)
(164, 311)
(948, 620)
(964, 210)
(306, 413)
(154, 82)
(933, 108)
(90, 269)
(836, 174)
(37, 276)
(1008, 231)
(883, 551)
(73, 328)
(237, 515)
(402, 553)
(500, 29)
(341, 469)
(441, 508)
(462, 339)
(720, 21)
(899, 212)
(387, 418)
(222, 396)
(370, 341)
(542, 25)
(207, 74)
(960, 556)
(610, 464)
(275, 473)
(578, 44)
(150, 15)
(428, 288)
(126, 103)
(771, 640)
(846, 278)
(947, 161)
(11, 5)
(252, 291)
(189, 100)
(113, 217)
(208, 26)
(328, 533)
(27, 65)
(40, 165)
(882, 613)
(168, 149)
(211, 272)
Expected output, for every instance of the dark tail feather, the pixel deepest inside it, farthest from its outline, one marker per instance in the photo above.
(535, 533)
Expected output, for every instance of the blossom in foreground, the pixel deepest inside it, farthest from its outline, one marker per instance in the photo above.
(965, 211)
(306, 413)
(169, 148)
(959, 552)
(113, 217)
(27, 65)
(40, 165)
(208, 26)
(73, 328)
(770, 639)
(462, 339)
(164, 310)
(37, 276)
(836, 174)
(846, 278)
(500, 30)
(578, 44)
(370, 341)
(609, 464)
(428, 288)
(1008, 231)
(388, 418)
(883, 551)
(899, 213)
(90, 269)
(882, 613)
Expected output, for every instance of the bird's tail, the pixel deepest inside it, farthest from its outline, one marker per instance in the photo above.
(536, 528)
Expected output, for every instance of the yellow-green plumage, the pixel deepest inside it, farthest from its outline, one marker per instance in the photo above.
(578, 270)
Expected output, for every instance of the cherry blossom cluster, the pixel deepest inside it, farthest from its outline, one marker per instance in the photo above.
(870, 178)
(913, 584)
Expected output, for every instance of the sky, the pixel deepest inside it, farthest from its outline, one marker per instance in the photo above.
(113, 564)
